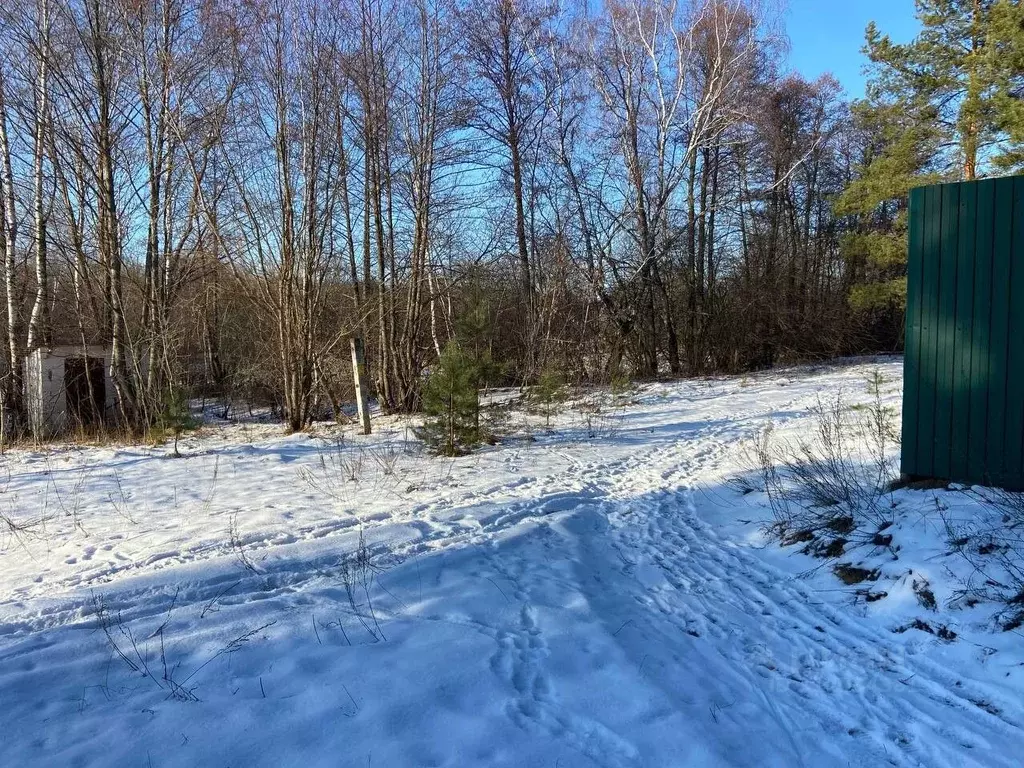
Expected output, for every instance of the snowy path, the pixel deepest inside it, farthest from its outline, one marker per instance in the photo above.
(568, 603)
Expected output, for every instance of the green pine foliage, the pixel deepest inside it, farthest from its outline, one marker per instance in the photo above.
(550, 392)
(451, 403)
(929, 116)
(621, 383)
(879, 293)
(1005, 60)
(176, 417)
(943, 79)
(474, 330)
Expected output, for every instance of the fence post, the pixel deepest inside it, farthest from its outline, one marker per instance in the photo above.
(359, 372)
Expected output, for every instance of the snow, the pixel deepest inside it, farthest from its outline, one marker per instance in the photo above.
(571, 600)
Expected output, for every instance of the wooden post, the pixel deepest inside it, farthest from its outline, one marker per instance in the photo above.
(359, 371)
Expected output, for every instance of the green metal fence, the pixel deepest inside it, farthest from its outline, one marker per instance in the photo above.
(963, 397)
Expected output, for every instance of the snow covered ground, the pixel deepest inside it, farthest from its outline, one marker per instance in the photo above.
(600, 596)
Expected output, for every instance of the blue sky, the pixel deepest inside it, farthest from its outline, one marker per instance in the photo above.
(827, 35)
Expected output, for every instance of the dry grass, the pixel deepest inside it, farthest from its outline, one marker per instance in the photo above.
(831, 489)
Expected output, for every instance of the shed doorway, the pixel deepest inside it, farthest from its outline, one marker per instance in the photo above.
(85, 387)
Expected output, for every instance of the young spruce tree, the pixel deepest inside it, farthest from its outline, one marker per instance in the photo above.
(176, 416)
(550, 392)
(451, 402)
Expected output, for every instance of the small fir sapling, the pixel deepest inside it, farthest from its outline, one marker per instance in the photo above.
(452, 404)
(550, 392)
(176, 416)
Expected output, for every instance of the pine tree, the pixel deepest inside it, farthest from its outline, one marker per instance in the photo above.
(176, 416)
(1005, 59)
(943, 77)
(928, 116)
(550, 392)
(474, 329)
(898, 152)
(452, 404)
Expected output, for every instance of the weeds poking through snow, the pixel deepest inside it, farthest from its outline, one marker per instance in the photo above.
(359, 573)
(386, 458)
(1010, 505)
(331, 625)
(121, 502)
(17, 528)
(336, 468)
(238, 547)
(208, 498)
(832, 492)
(19, 531)
(71, 504)
(137, 656)
(355, 707)
(598, 414)
(834, 485)
(351, 467)
(211, 606)
(343, 472)
(993, 544)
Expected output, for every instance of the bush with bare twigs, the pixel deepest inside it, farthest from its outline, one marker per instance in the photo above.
(833, 488)
(991, 540)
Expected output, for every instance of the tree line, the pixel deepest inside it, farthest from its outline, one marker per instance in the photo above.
(225, 191)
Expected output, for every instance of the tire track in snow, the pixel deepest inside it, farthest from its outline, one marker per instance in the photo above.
(703, 598)
(70, 601)
(835, 666)
(284, 575)
(521, 650)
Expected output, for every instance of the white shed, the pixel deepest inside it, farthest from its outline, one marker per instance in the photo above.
(67, 387)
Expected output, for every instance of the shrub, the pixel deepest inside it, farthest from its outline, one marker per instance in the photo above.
(835, 482)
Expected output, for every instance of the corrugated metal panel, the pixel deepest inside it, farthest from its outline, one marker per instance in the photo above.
(963, 327)
(977, 443)
(1015, 349)
(914, 337)
(963, 399)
